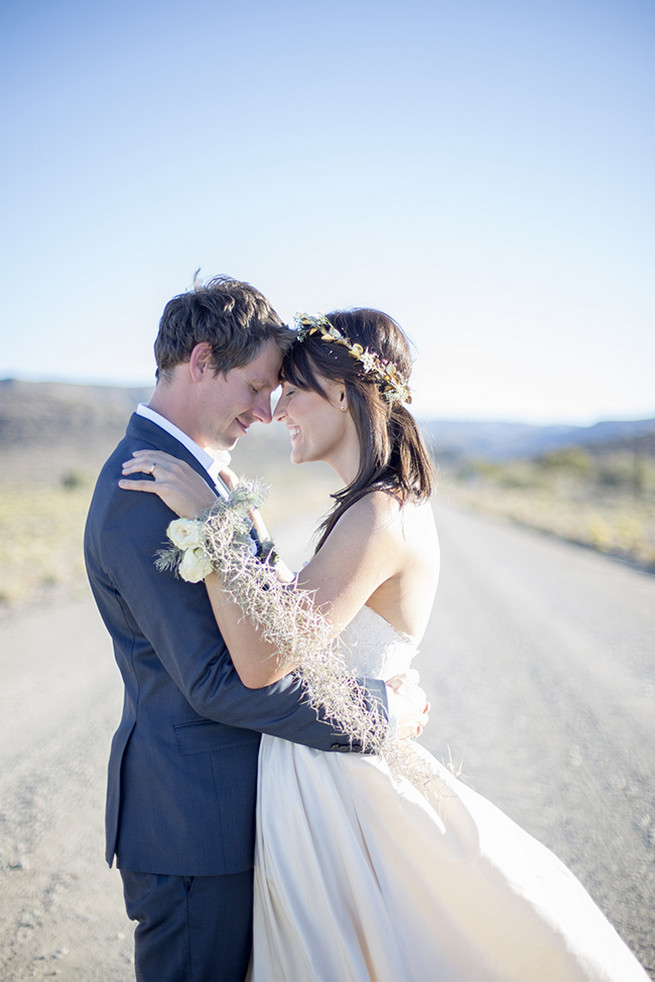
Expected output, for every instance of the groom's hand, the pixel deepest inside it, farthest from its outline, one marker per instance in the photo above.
(408, 704)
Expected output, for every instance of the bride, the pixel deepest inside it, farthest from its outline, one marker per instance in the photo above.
(382, 867)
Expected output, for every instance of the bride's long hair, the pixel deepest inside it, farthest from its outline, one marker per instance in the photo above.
(393, 455)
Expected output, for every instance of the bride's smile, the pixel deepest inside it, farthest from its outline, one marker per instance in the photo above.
(320, 427)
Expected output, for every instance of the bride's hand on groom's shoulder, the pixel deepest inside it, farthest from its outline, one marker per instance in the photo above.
(177, 484)
(408, 705)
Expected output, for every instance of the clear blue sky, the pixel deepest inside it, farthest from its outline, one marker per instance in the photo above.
(481, 169)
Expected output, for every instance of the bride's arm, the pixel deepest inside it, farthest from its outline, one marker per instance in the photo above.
(185, 491)
(355, 559)
(258, 662)
(359, 555)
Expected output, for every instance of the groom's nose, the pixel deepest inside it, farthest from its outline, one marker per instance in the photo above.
(262, 408)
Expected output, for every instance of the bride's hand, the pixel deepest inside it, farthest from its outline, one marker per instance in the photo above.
(177, 484)
(409, 704)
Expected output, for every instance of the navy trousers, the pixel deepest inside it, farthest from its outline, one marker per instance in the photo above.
(190, 928)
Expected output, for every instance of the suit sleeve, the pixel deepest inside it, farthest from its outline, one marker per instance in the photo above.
(161, 614)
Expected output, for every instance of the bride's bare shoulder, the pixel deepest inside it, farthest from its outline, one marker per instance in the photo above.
(382, 511)
(375, 509)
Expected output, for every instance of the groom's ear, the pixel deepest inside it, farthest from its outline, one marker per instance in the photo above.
(201, 361)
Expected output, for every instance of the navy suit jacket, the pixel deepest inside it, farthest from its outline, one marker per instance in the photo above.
(183, 764)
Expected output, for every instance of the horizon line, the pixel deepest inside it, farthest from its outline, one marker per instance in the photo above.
(622, 416)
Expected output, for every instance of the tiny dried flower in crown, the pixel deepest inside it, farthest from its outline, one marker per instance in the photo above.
(385, 373)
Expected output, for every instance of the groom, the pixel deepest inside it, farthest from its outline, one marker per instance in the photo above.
(183, 766)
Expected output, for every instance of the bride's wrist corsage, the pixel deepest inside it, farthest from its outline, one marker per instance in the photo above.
(198, 546)
(220, 541)
(186, 554)
(285, 614)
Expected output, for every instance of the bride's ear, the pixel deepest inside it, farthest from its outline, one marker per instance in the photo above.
(343, 400)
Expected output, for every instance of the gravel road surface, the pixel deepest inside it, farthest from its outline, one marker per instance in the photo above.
(540, 666)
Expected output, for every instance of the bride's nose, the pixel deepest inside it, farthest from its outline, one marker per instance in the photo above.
(279, 412)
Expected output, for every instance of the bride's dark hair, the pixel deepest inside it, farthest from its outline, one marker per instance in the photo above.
(393, 456)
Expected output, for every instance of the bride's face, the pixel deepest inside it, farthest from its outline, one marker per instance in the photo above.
(320, 428)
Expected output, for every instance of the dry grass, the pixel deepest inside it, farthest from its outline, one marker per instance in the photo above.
(606, 503)
(45, 495)
(40, 540)
(45, 491)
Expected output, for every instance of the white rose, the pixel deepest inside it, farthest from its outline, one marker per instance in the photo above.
(194, 565)
(185, 533)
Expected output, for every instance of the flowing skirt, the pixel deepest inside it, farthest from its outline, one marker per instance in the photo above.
(359, 877)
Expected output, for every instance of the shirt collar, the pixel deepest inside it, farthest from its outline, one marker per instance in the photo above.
(211, 463)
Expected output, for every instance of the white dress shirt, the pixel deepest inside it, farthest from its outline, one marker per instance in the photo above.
(212, 463)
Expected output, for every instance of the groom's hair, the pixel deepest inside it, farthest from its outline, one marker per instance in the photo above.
(233, 317)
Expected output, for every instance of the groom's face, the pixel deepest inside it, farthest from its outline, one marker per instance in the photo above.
(229, 403)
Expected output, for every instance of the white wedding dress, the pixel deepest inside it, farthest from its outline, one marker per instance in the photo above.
(360, 877)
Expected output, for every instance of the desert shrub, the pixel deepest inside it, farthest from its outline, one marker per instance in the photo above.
(573, 460)
(592, 501)
(73, 479)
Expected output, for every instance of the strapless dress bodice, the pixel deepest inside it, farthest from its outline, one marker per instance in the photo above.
(372, 646)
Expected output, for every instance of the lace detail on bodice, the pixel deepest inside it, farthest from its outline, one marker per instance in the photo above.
(373, 647)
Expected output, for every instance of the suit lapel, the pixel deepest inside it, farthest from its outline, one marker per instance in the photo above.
(141, 429)
(144, 430)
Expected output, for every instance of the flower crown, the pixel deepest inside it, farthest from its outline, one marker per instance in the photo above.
(385, 373)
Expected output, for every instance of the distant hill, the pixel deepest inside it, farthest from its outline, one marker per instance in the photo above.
(48, 415)
(40, 413)
(50, 429)
(451, 439)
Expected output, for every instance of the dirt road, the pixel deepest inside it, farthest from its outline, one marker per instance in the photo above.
(540, 662)
(540, 666)
(60, 698)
